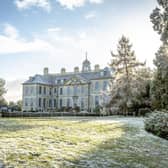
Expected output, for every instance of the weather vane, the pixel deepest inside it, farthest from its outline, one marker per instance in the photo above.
(86, 55)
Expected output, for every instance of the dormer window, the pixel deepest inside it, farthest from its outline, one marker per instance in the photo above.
(104, 73)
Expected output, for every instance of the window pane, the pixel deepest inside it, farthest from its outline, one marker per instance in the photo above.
(97, 86)
(96, 100)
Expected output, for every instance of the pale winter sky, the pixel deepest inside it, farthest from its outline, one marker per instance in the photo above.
(57, 33)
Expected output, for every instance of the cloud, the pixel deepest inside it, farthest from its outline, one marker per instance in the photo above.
(71, 4)
(10, 31)
(46, 4)
(11, 42)
(26, 4)
(54, 29)
(90, 15)
(83, 35)
(96, 1)
(9, 45)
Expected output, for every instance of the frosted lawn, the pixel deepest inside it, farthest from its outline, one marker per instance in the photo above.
(80, 142)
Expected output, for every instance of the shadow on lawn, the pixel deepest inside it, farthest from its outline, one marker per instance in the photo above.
(9, 125)
(117, 153)
(98, 155)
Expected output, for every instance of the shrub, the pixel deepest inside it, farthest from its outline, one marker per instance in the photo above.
(157, 123)
(97, 110)
(143, 111)
(77, 109)
(114, 110)
(62, 109)
(69, 109)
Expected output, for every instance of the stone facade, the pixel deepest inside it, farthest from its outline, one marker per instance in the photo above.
(66, 90)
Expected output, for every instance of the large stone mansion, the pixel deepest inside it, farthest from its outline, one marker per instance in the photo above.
(81, 88)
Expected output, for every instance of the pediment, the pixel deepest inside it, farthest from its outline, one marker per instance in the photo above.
(76, 80)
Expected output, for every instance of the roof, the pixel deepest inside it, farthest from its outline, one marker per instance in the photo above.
(57, 79)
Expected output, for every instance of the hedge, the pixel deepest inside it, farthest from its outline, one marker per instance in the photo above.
(44, 114)
(157, 123)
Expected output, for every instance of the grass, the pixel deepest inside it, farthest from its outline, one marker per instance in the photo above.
(80, 142)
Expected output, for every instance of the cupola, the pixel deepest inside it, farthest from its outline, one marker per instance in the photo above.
(86, 66)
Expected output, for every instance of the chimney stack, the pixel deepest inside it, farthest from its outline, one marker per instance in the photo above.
(97, 67)
(45, 71)
(63, 71)
(76, 69)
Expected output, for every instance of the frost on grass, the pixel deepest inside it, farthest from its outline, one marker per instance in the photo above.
(80, 142)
